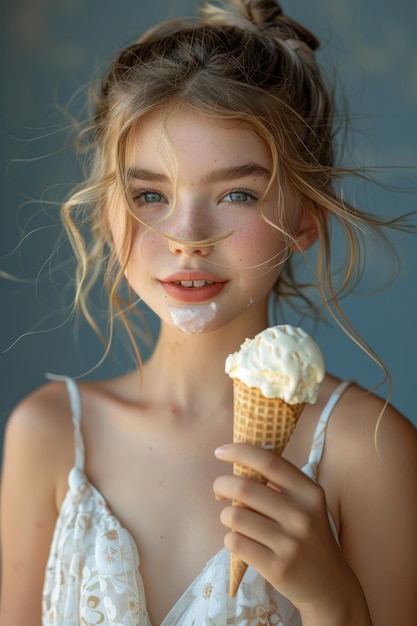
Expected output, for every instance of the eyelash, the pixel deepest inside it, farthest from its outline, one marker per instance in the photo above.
(252, 197)
(139, 195)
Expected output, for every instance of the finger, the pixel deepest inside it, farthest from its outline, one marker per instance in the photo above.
(248, 492)
(253, 552)
(256, 540)
(249, 535)
(279, 507)
(249, 523)
(272, 466)
(269, 564)
(249, 551)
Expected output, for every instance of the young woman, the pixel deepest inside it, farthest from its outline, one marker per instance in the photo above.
(212, 165)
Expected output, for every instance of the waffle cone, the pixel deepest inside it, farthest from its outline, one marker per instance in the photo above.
(261, 421)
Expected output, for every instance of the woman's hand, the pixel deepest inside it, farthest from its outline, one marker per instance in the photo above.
(283, 531)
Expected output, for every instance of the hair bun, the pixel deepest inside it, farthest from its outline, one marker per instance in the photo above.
(262, 14)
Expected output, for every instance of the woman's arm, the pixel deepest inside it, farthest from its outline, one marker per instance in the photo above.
(34, 453)
(284, 533)
(379, 510)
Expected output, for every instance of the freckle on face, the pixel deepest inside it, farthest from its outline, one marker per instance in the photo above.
(194, 142)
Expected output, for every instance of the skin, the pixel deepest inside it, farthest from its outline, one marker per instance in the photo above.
(150, 447)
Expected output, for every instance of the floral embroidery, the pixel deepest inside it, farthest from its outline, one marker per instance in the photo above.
(110, 607)
(111, 534)
(92, 576)
(207, 590)
(260, 611)
(263, 616)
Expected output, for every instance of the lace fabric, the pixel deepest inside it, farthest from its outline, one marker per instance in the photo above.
(93, 571)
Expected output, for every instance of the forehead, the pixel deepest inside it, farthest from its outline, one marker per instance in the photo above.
(186, 139)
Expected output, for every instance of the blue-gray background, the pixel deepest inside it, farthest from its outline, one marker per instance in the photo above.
(49, 50)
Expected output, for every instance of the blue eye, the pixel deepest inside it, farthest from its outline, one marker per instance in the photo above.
(240, 196)
(147, 197)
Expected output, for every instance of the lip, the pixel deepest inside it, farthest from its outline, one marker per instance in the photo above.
(192, 294)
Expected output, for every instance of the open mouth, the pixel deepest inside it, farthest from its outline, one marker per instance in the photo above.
(193, 283)
(193, 291)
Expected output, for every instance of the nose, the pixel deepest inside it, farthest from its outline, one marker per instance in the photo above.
(182, 247)
(191, 230)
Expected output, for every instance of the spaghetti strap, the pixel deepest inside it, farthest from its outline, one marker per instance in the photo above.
(319, 437)
(75, 403)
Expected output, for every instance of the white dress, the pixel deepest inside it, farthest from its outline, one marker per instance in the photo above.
(93, 571)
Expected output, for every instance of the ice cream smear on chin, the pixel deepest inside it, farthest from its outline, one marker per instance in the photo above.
(282, 362)
(193, 319)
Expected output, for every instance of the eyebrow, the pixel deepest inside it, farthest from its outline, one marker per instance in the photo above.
(222, 174)
(237, 171)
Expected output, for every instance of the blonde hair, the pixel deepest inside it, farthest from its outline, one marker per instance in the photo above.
(242, 60)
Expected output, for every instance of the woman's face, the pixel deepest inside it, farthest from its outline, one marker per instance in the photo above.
(193, 180)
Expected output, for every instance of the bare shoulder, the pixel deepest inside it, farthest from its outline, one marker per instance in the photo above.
(42, 416)
(370, 452)
(39, 432)
(371, 459)
(38, 454)
(371, 465)
(367, 429)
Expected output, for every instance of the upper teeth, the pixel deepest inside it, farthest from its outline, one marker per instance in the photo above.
(194, 283)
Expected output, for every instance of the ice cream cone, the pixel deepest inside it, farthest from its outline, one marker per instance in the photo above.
(275, 375)
(261, 421)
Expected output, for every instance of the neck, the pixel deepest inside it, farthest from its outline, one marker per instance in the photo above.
(188, 367)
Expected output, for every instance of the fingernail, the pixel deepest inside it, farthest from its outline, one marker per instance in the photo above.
(221, 451)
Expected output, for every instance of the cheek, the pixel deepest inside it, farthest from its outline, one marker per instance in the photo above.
(258, 243)
(144, 246)
(122, 231)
